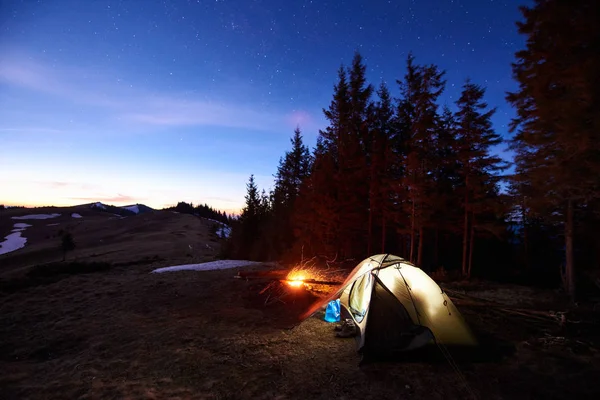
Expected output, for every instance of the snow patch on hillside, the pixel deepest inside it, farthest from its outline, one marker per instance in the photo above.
(20, 225)
(99, 205)
(37, 216)
(75, 215)
(208, 266)
(14, 240)
(133, 208)
(223, 231)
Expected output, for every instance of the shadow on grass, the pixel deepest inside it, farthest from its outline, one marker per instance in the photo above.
(45, 274)
(489, 350)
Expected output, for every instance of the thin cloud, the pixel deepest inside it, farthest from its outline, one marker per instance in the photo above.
(119, 198)
(141, 107)
(177, 112)
(31, 130)
(67, 185)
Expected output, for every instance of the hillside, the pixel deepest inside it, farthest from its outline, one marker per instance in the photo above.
(132, 209)
(103, 235)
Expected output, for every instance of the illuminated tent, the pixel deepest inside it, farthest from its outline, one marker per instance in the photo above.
(398, 307)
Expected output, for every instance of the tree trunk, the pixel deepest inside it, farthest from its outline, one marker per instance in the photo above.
(383, 234)
(466, 230)
(525, 235)
(412, 233)
(471, 245)
(569, 269)
(420, 251)
(370, 228)
(436, 249)
(526, 246)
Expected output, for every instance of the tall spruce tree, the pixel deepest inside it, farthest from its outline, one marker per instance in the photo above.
(557, 140)
(380, 181)
(445, 175)
(478, 167)
(292, 172)
(323, 203)
(250, 220)
(417, 113)
(355, 159)
(316, 212)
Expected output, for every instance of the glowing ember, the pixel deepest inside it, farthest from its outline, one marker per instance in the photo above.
(296, 278)
(295, 283)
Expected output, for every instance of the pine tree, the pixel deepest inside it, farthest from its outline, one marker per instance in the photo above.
(249, 222)
(417, 112)
(319, 218)
(263, 245)
(354, 163)
(292, 172)
(380, 181)
(316, 213)
(445, 175)
(557, 140)
(478, 168)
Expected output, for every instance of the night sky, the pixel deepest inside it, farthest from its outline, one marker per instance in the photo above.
(163, 101)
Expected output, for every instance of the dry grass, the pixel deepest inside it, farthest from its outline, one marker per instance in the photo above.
(101, 236)
(126, 333)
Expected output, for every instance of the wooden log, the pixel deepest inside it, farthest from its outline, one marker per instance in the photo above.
(325, 283)
(275, 274)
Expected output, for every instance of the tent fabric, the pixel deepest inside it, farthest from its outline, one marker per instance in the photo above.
(397, 306)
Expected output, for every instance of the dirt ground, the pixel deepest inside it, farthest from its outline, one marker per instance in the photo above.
(126, 333)
(129, 334)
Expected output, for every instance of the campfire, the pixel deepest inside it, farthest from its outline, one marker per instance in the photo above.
(312, 277)
(301, 280)
(296, 277)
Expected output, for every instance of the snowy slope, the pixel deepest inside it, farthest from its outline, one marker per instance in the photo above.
(208, 266)
(224, 230)
(99, 205)
(20, 226)
(14, 240)
(37, 216)
(134, 208)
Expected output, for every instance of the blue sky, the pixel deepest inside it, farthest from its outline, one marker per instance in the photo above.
(164, 101)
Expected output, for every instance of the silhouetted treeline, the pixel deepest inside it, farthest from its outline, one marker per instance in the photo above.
(202, 210)
(397, 172)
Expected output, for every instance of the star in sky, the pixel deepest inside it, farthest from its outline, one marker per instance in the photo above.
(119, 80)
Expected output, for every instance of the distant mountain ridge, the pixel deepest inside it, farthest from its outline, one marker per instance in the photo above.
(123, 211)
(201, 210)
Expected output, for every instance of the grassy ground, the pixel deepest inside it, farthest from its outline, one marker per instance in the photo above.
(123, 332)
(102, 236)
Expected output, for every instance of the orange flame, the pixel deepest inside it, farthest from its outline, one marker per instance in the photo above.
(296, 278)
(295, 283)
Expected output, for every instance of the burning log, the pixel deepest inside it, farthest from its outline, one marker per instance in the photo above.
(295, 284)
(276, 274)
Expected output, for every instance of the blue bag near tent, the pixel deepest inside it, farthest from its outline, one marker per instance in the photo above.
(332, 312)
